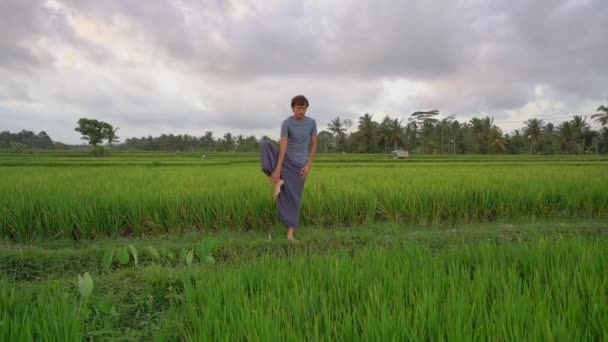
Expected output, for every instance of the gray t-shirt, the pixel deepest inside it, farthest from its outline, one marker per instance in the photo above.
(298, 135)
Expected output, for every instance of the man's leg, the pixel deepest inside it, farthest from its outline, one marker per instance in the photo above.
(269, 155)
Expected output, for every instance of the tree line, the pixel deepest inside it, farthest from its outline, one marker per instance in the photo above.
(423, 132)
(26, 139)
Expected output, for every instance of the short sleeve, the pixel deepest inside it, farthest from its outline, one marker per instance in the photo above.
(313, 131)
(284, 129)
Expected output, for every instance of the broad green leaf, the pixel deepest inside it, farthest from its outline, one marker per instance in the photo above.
(134, 252)
(85, 284)
(107, 258)
(189, 258)
(123, 255)
(209, 245)
(154, 252)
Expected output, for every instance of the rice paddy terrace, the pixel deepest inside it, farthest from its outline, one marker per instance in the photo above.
(170, 246)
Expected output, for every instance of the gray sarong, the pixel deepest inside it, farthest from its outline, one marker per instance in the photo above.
(290, 198)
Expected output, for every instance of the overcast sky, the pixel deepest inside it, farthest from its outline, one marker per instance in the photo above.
(187, 66)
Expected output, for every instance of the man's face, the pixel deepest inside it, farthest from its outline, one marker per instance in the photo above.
(299, 111)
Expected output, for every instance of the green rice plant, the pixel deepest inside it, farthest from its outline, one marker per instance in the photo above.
(40, 315)
(205, 250)
(545, 290)
(153, 252)
(87, 202)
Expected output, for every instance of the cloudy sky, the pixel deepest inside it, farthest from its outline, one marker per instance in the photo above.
(187, 66)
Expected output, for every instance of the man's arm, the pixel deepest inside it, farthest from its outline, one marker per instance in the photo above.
(313, 149)
(311, 155)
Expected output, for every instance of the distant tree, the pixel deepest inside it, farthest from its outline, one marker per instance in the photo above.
(325, 141)
(43, 141)
(208, 140)
(110, 133)
(426, 123)
(424, 115)
(240, 143)
(365, 137)
(567, 136)
(16, 147)
(601, 116)
(496, 141)
(481, 129)
(533, 131)
(445, 127)
(92, 130)
(338, 128)
(228, 142)
(515, 142)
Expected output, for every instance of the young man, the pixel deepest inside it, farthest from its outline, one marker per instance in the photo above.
(288, 166)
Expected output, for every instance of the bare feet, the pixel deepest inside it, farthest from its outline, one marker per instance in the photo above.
(290, 235)
(277, 188)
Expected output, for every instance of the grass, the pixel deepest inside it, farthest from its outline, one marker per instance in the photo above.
(541, 280)
(431, 248)
(85, 203)
(540, 291)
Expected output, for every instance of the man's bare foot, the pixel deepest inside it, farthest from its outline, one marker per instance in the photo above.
(277, 188)
(292, 239)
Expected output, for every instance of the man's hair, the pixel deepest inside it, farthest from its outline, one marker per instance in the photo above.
(299, 100)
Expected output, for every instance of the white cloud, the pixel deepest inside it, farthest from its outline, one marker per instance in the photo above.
(183, 66)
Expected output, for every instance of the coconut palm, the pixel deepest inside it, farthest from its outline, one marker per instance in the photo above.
(338, 129)
(533, 131)
(367, 132)
(395, 132)
(567, 136)
(601, 116)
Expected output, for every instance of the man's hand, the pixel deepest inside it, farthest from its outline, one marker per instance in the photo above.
(275, 176)
(305, 170)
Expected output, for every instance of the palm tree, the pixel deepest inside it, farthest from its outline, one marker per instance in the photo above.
(581, 127)
(208, 140)
(481, 132)
(601, 117)
(228, 142)
(445, 124)
(579, 124)
(367, 132)
(385, 133)
(533, 131)
(338, 129)
(496, 141)
(395, 132)
(239, 142)
(567, 135)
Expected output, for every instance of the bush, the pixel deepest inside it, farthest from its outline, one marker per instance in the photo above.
(16, 147)
(99, 151)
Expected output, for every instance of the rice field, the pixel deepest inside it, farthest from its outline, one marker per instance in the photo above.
(117, 200)
(541, 290)
(431, 248)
